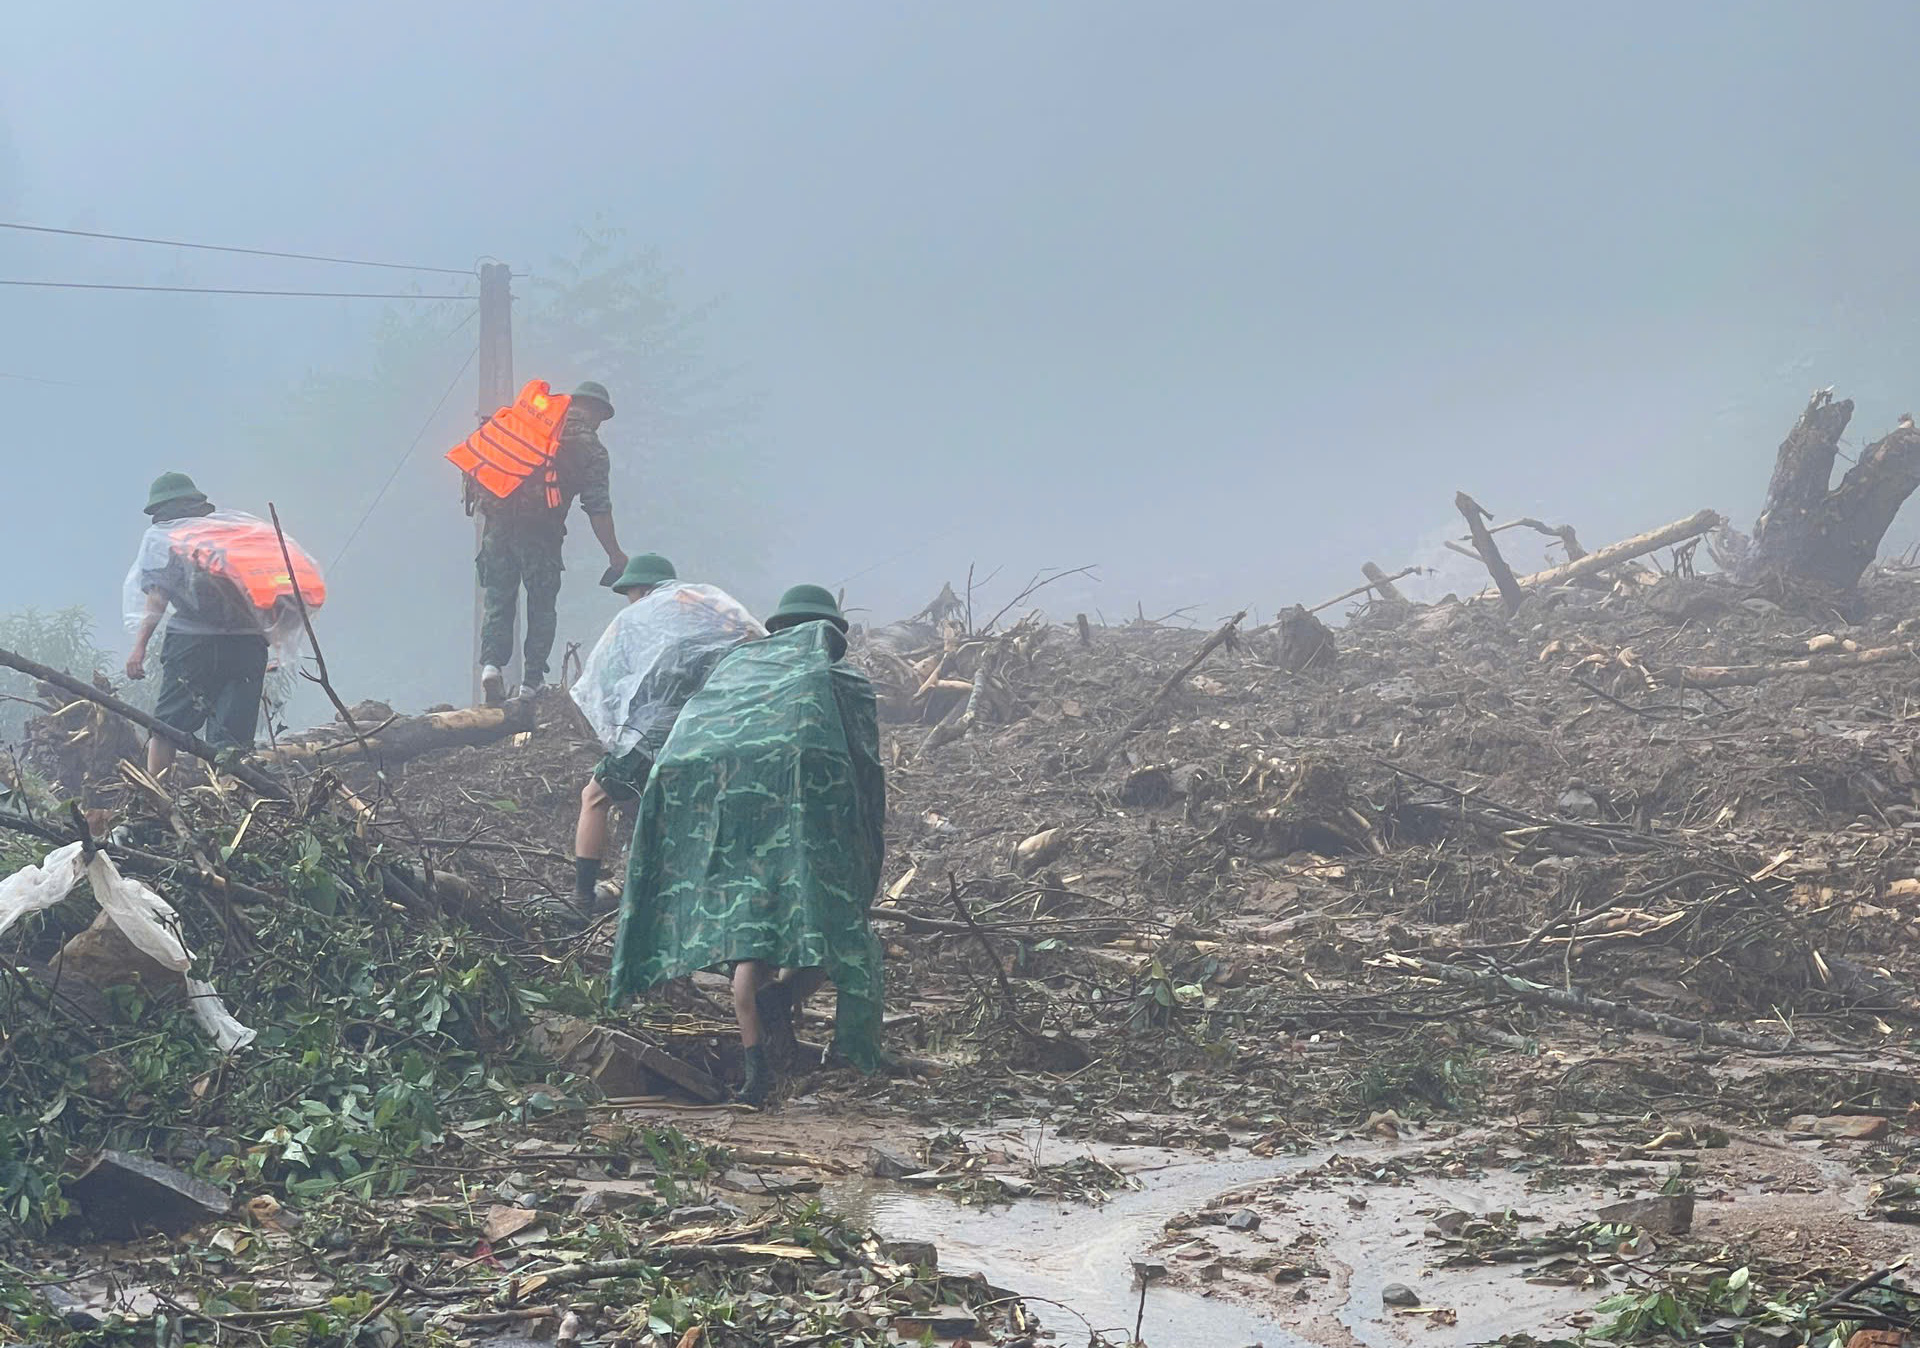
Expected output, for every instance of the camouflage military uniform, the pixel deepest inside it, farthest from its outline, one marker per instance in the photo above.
(761, 832)
(520, 546)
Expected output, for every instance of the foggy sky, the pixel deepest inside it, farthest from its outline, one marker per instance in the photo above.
(1226, 298)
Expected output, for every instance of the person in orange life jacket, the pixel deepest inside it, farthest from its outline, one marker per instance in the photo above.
(213, 663)
(521, 539)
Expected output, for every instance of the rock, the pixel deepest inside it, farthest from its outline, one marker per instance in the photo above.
(1575, 803)
(1840, 1127)
(600, 1202)
(1666, 1214)
(1398, 1294)
(1213, 1272)
(124, 1197)
(1148, 1270)
(767, 1186)
(1244, 1220)
(502, 1221)
(914, 1327)
(1147, 788)
(890, 1164)
(1877, 1338)
(919, 1253)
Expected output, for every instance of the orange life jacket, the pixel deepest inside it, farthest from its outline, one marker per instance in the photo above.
(247, 553)
(515, 442)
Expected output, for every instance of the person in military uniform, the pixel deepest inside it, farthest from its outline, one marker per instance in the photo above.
(521, 539)
(760, 842)
(213, 662)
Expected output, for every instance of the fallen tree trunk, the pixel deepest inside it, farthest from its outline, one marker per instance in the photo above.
(411, 736)
(193, 744)
(1741, 676)
(1814, 531)
(1581, 1004)
(1626, 550)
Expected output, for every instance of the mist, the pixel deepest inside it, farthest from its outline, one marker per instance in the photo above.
(1222, 300)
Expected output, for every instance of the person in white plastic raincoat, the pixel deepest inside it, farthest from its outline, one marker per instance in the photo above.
(653, 657)
(220, 581)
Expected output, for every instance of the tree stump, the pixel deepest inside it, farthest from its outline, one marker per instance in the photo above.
(1811, 530)
(1301, 641)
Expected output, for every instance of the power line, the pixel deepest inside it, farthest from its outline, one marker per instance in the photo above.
(425, 426)
(233, 290)
(223, 248)
(36, 379)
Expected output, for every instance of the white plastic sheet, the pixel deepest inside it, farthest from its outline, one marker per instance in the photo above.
(143, 917)
(654, 655)
(32, 888)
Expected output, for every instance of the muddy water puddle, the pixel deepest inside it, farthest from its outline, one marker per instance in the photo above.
(1081, 1256)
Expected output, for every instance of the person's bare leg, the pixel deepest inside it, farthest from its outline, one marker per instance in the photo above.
(748, 976)
(590, 842)
(160, 753)
(590, 832)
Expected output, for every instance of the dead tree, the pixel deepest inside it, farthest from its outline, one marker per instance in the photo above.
(1812, 530)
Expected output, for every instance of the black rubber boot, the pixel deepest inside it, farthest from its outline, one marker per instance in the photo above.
(775, 1001)
(759, 1083)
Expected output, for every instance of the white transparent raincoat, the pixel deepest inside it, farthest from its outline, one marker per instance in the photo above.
(654, 655)
(223, 575)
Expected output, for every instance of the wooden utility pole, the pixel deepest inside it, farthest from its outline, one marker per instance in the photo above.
(496, 391)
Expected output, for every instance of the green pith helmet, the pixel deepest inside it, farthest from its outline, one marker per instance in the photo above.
(171, 487)
(594, 389)
(804, 603)
(646, 568)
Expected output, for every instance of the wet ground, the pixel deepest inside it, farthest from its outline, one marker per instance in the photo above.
(1334, 1227)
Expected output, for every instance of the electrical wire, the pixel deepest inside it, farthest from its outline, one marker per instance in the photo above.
(425, 426)
(223, 248)
(233, 290)
(36, 379)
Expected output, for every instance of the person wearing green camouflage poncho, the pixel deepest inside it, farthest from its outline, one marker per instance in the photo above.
(761, 835)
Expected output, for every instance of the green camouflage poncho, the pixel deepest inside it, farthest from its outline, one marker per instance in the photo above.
(761, 831)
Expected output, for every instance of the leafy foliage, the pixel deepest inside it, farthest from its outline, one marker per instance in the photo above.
(63, 639)
(374, 1034)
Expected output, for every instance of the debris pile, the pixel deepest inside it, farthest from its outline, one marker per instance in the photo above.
(1574, 924)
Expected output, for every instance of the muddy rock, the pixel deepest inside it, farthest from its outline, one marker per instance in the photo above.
(123, 1197)
(919, 1253)
(1841, 1127)
(1244, 1220)
(1398, 1294)
(889, 1163)
(1665, 1214)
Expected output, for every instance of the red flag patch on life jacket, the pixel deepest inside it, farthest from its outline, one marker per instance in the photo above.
(516, 442)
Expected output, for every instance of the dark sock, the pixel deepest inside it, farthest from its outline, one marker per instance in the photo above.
(586, 874)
